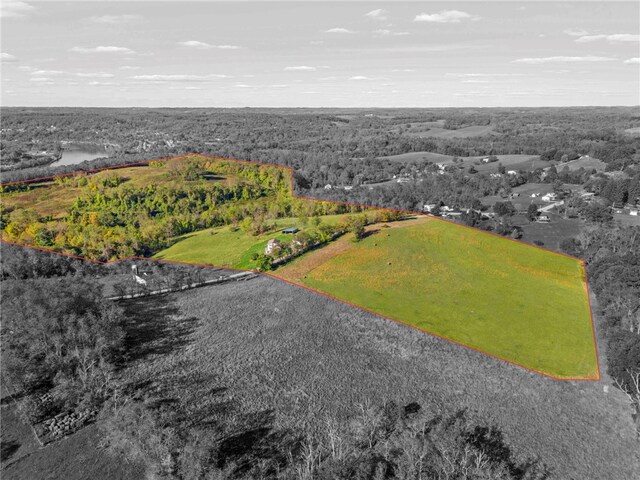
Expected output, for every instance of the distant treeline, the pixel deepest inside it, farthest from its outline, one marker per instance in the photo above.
(322, 146)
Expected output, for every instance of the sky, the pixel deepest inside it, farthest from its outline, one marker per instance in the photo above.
(319, 54)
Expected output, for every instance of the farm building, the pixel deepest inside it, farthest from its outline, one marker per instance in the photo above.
(543, 219)
(634, 212)
(291, 230)
(549, 197)
(512, 172)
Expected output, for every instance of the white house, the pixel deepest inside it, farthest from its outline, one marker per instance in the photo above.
(328, 186)
(534, 195)
(512, 172)
(272, 245)
(634, 212)
(550, 197)
(428, 207)
(543, 219)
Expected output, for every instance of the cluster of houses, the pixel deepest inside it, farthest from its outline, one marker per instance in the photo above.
(547, 197)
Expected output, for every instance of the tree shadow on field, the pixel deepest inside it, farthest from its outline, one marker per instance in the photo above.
(370, 233)
(154, 326)
(7, 449)
(256, 442)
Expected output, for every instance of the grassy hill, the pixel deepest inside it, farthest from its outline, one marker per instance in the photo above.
(519, 303)
(230, 246)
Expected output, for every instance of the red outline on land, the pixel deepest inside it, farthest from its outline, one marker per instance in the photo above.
(291, 173)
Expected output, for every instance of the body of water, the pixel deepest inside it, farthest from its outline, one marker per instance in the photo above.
(78, 155)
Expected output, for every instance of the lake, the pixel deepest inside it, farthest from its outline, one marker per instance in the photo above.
(74, 155)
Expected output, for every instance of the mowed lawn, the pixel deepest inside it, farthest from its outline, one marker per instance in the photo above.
(230, 246)
(513, 301)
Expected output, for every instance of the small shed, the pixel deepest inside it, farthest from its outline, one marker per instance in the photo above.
(291, 230)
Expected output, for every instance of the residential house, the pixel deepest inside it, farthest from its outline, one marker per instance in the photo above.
(272, 245)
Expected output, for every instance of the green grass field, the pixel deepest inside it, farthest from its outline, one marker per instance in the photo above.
(519, 303)
(228, 246)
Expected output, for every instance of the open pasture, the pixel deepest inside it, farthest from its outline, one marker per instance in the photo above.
(464, 132)
(230, 246)
(521, 304)
(510, 162)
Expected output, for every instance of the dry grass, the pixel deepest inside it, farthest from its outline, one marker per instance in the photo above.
(268, 353)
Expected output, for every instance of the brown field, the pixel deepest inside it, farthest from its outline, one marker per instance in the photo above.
(280, 356)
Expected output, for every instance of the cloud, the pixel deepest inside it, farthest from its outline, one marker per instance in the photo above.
(42, 80)
(48, 72)
(339, 30)
(614, 38)
(128, 67)
(95, 75)
(300, 68)
(15, 8)
(377, 14)
(403, 70)
(207, 46)
(388, 33)
(446, 16)
(101, 49)
(632, 60)
(115, 19)
(575, 32)
(359, 77)
(177, 77)
(8, 58)
(483, 75)
(562, 59)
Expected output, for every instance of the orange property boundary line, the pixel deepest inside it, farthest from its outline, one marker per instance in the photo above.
(290, 169)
